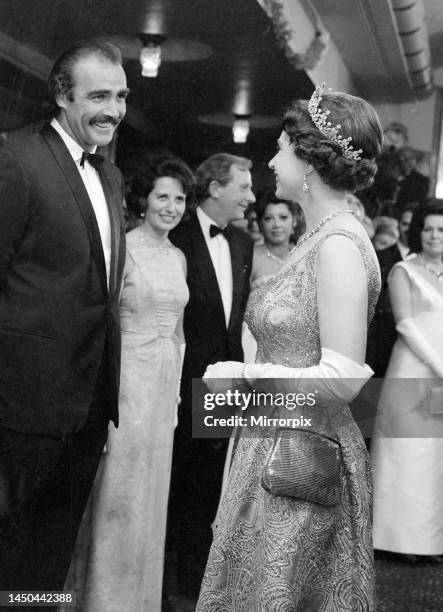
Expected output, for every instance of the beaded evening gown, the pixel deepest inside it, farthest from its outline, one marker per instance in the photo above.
(121, 556)
(274, 553)
(264, 265)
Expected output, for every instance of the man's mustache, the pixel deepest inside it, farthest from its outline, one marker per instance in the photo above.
(105, 119)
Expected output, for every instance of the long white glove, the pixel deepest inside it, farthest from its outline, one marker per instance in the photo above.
(336, 379)
(418, 343)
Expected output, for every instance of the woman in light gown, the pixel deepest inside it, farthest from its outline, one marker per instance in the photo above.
(407, 450)
(280, 552)
(124, 555)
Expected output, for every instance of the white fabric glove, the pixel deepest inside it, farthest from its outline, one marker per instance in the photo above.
(420, 345)
(223, 375)
(336, 379)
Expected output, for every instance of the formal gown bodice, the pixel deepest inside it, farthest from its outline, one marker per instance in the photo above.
(426, 301)
(282, 314)
(154, 288)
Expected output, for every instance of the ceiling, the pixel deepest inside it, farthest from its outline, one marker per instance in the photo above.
(163, 111)
(434, 22)
(366, 36)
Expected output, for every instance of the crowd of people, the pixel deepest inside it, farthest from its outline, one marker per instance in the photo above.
(105, 317)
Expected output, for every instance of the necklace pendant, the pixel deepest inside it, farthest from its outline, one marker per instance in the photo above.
(163, 248)
(426, 266)
(276, 258)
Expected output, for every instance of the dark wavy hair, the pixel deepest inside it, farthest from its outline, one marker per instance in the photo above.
(357, 119)
(160, 166)
(217, 168)
(60, 80)
(430, 207)
(267, 196)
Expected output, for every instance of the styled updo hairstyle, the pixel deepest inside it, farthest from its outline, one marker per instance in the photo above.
(433, 206)
(357, 119)
(161, 166)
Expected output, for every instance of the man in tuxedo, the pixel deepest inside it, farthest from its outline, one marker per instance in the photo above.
(62, 249)
(413, 186)
(219, 260)
(382, 334)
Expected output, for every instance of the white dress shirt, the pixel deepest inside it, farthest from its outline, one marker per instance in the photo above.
(95, 191)
(404, 250)
(221, 260)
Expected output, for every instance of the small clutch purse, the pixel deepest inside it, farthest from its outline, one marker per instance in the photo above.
(305, 465)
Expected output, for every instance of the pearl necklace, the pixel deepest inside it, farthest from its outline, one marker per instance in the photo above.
(426, 266)
(163, 246)
(315, 229)
(276, 258)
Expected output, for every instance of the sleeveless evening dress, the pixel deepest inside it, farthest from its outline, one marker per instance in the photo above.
(128, 508)
(407, 449)
(275, 553)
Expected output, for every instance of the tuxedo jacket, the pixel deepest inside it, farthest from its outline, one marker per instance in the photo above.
(382, 334)
(208, 339)
(413, 188)
(58, 318)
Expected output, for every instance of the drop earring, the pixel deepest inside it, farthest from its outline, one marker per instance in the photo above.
(305, 182)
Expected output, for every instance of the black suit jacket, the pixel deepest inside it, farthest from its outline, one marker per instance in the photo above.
(58, 320)
(382, 334)
(413, 188)
(207, 338)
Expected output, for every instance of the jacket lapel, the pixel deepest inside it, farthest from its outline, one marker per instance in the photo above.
(80, 195)
(238, 279)
(115, 221)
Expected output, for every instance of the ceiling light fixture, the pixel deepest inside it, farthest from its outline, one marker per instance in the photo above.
(150, 54)
(151, 50)
(240, 128)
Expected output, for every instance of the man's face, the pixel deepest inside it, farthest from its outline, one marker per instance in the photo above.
(406, 161)
(395, 138)
(236, 195)
(91, 111)
(403, 226)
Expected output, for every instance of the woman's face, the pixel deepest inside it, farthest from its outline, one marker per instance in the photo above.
(432, 235)
(288, 169)
(165, 205)
(277, 224)
(383, 240)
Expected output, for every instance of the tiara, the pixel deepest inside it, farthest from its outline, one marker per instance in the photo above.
(320, 120)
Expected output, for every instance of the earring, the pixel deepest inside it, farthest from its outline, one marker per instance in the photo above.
(305, 182)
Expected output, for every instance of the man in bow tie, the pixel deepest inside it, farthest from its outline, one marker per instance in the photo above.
(62, 249)
(219, 260)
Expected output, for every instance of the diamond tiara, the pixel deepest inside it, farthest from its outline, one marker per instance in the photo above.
(320, 120)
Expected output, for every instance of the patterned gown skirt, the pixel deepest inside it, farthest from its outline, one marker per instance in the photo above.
(279, 554)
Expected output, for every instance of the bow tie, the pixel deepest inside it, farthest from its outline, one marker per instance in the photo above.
(95, 159)
(214, 230)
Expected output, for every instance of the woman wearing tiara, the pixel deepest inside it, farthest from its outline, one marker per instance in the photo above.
(287, 536)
